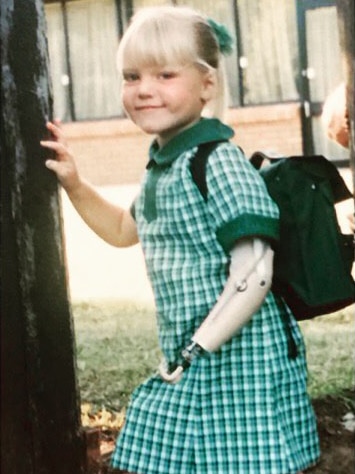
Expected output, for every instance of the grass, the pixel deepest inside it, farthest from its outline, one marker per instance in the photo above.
(117, 348)
(330, 352)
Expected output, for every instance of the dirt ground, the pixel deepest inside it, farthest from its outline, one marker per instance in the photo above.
(337, 442)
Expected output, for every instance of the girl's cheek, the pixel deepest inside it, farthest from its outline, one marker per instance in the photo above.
(126, 101)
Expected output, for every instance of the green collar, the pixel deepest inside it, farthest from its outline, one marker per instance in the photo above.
(206, 130)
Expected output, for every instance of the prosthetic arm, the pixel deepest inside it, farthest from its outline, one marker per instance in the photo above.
(249, 280)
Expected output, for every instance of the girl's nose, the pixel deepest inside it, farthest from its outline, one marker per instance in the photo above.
(146, 86)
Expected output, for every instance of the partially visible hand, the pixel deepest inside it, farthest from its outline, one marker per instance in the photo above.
(64, 165)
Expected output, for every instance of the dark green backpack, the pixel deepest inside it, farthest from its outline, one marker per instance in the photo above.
(313, 259)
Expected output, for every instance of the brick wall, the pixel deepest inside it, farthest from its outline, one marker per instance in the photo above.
(112, 152)
(275, 128)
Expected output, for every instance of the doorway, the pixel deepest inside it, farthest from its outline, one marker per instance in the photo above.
(321, 71)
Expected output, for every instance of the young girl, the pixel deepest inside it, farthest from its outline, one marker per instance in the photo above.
(241, 406)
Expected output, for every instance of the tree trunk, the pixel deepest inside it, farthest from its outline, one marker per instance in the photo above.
(40, 409)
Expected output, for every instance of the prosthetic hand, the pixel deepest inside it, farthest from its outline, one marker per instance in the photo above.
(249, 281)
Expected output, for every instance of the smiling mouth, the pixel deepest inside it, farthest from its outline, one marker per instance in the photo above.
(148, 107)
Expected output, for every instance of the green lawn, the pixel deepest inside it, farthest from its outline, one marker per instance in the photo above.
(330, 352)
(117, 348)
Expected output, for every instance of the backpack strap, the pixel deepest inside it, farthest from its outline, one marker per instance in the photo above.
(198, 165)
(258, 158)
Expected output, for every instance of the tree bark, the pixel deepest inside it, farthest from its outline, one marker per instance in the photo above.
(40, 409)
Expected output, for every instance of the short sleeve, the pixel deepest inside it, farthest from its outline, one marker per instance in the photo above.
(238, 199)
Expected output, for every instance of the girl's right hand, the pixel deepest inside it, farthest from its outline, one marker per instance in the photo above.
(63, 166)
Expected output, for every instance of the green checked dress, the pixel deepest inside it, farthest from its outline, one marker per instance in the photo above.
(243, 409)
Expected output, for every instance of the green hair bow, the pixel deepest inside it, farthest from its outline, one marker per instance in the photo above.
(224, 38)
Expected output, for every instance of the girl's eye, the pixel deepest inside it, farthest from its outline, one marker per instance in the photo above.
(167, 75)
(130, 76)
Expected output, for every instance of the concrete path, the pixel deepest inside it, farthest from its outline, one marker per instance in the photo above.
(97, 270)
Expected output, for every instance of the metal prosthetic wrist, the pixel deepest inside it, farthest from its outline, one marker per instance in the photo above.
(190, 352)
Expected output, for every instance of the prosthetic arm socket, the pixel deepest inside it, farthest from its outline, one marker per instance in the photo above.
(249, 281)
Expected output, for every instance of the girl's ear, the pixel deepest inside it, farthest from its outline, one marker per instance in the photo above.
(209, 84)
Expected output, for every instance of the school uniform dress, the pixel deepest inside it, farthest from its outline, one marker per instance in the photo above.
(243, 409)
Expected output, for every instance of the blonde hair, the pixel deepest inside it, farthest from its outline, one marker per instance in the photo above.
(174, 35)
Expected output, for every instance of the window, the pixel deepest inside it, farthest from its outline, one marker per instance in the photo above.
(58, 63)
(269, 56)
(83, 38)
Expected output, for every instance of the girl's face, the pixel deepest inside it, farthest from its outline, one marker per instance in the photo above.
(164, 100)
